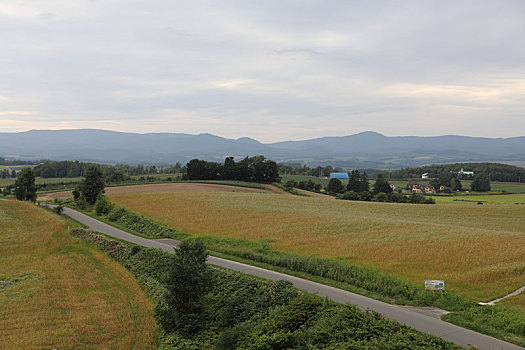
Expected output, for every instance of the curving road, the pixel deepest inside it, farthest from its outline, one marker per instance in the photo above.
(424, 319)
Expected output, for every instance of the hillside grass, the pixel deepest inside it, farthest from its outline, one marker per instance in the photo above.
(478, 250)
(514, 198)
(56, 292)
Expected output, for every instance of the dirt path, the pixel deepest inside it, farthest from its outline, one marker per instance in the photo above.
(165, 188)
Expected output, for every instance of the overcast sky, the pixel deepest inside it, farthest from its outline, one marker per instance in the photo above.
(271, 70)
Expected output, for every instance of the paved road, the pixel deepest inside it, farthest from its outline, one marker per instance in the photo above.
(424, 319)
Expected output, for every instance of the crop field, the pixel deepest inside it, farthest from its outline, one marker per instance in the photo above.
(59, 293)
(478, 250)
(159, 188)
(500, 186)
(40, 180)
(518, 198)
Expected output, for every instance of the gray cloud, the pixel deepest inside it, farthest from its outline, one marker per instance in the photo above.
(269, 70)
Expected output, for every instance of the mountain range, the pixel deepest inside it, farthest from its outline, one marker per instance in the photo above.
(363, 150)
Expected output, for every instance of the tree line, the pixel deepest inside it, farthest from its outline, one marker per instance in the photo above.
(319, 171)
(495, 171)
(358, 189)
(4, 161)
(6, 174)
(251, 169)
(68, 168)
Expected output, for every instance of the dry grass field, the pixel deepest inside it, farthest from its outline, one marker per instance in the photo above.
(478, 250)
(159, 188)
(58, 293)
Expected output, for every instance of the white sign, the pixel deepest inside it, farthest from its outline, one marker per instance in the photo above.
(434, 285)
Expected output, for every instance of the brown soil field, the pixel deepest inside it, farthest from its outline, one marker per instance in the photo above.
(164, 188)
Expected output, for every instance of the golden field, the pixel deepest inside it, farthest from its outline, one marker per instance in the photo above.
(478, 250)
(56, 292)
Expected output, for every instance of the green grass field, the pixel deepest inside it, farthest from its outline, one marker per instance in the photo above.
(60, 293)
(40, 180)
(518, 198)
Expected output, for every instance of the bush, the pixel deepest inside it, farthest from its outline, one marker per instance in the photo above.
(350, 196)
(102, 206)
(397, 198)
(365, 196)
(58, 209)
(335, 186)
(82, 203)
(416, 198)
(381, 197)
(290, 184)
(116, 213)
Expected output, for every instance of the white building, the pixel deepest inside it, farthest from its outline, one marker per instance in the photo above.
(468, 173)
(424, 176)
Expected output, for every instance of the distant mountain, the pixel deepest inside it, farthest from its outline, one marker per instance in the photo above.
(366, 150)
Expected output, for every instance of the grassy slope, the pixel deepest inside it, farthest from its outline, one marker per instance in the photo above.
(56, 292)
(476, 249)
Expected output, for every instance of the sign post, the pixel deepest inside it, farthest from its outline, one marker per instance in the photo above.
(434, 285)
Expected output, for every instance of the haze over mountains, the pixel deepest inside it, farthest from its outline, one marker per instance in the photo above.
(367, 149)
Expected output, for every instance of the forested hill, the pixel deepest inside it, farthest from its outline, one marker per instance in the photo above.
(496, 171)
(364, 150)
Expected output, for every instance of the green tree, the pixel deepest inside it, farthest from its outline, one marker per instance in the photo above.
(93, 184)
(189, 280)
(481, 182)
(25, 189)
(354, 182)
(381, 185)
(335, 186)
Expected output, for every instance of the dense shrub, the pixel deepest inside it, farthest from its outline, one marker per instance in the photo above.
(102, 206)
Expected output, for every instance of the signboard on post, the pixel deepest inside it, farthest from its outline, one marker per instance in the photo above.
(434, 285)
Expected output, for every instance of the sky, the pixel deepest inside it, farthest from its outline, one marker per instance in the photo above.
(270, 70)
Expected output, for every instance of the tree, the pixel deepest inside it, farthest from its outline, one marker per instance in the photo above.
(93, 184)
(25, 189)
(354, 182)
(481, 182)
(335, 186)
(381, 185)
(364, 185)
(189, 280)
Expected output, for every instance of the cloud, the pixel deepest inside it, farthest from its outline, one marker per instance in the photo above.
(271, 70)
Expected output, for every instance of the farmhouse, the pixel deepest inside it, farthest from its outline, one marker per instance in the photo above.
(468, 173)
(424, 176)
(421, 188)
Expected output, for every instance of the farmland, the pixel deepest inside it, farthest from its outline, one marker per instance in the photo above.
(160, 188)
(478, 250)
(57, 292)
(515, 198)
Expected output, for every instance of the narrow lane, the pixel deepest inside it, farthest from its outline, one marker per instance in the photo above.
(414, 317)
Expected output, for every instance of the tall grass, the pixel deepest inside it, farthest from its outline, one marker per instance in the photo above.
(59, 293)
(475, 249)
